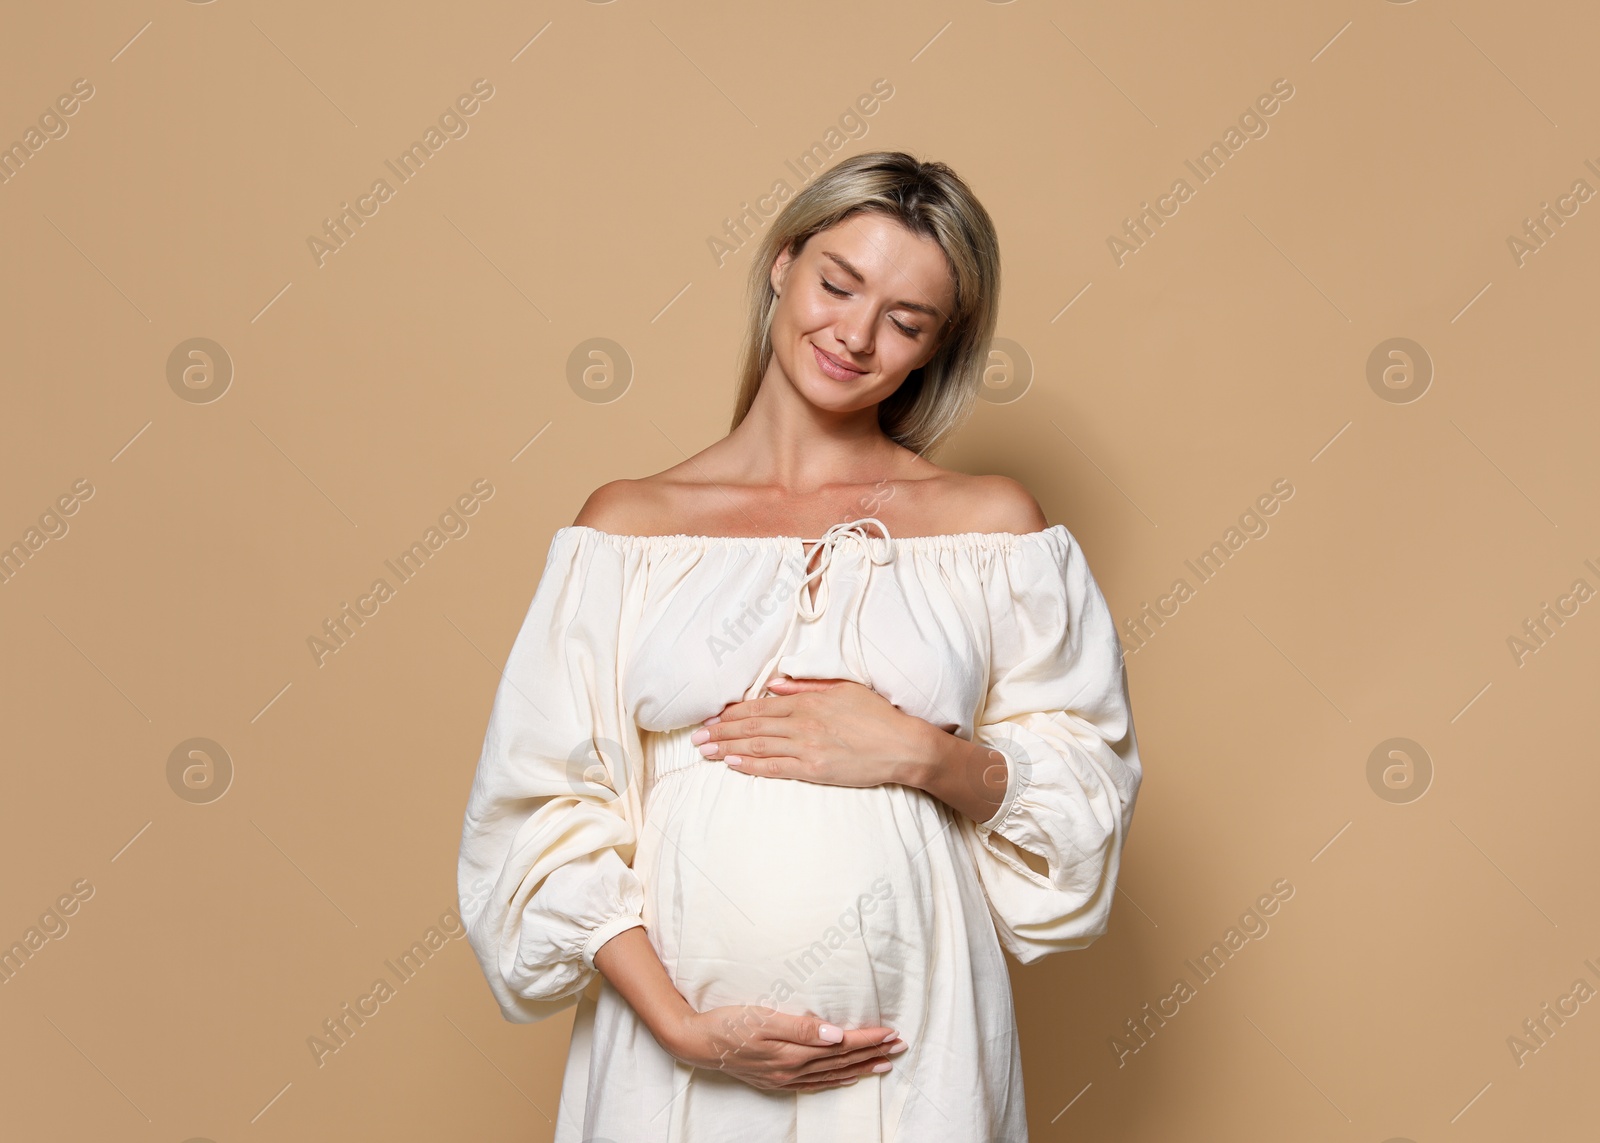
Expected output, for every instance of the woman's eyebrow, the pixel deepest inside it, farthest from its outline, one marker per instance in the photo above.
(903, 303)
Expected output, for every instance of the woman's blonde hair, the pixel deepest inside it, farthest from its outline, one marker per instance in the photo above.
(931, 201)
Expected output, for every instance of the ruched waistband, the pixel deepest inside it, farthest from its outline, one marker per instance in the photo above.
(668, 752)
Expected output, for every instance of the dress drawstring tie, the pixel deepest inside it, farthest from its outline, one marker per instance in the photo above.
(880, 550)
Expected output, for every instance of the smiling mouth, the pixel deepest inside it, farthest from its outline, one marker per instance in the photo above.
(833, 368)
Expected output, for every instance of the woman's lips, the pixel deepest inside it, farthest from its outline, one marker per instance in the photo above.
(834, 368)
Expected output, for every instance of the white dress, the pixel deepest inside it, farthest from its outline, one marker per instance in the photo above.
(591, 812)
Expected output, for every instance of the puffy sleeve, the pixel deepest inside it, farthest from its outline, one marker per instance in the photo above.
(1057, 707)
(544, 876)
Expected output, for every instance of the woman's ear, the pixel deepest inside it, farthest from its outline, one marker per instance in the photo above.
(780, 269)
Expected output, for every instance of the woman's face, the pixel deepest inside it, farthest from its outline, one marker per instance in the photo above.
(864, 304)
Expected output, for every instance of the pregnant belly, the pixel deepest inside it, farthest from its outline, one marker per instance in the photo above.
(801, 897)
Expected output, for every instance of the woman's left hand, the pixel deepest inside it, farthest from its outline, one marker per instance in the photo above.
(835, 732)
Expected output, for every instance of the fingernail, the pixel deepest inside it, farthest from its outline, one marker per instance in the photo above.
(883, 1067)
(713, 718)
(708, 748)
(889, 1037)
(734, 760)
(699, 736)
(894, 1049)
(848, 1082)
(830, 1034)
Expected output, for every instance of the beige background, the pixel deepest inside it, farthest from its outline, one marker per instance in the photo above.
(1147, 405)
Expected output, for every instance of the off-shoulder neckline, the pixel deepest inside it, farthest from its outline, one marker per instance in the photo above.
(937, 540)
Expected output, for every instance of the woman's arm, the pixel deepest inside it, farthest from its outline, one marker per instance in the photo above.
(841, 733)
(764, 1048)
(967, 776)
(630, 963)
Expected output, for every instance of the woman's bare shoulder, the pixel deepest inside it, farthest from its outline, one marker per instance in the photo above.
(625, 507)
(946, 501)
(988, 503)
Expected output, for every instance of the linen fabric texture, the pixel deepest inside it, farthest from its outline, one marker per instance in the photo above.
(591, 813)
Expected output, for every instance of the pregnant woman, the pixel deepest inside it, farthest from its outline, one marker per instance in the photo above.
(799, 734)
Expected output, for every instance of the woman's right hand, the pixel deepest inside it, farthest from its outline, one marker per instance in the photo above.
(774, 1051)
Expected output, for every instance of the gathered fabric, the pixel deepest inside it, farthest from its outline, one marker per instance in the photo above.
(879, 551)
(591, 812)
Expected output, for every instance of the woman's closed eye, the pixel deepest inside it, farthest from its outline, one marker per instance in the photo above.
(911, 331)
